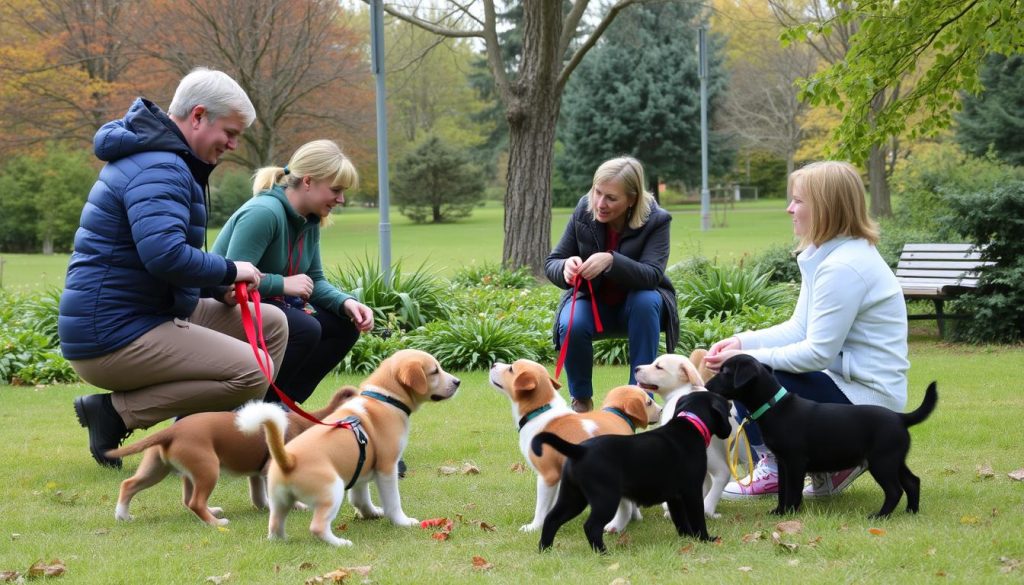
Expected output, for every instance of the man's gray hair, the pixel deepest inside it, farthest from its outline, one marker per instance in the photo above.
(215, 91)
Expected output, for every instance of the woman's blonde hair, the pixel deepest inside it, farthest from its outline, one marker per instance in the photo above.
(836, 196)
(629, 173)
(320, 160)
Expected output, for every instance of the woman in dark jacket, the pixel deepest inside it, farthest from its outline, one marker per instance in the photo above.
(618, 240)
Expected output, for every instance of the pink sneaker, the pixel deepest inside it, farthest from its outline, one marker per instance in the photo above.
(829, 484)
(765, 482)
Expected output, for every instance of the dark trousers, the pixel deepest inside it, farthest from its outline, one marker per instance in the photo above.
(316, 345)
(815, 386)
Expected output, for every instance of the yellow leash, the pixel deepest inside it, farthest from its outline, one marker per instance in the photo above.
(732, 447)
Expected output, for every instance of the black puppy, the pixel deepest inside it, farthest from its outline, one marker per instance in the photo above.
(667, 464)
(808, 436)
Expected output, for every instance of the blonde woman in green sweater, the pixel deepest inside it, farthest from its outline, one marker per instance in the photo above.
(278, 230)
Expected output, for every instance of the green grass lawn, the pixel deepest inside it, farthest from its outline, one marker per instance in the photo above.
(448, 247)
(59, 504)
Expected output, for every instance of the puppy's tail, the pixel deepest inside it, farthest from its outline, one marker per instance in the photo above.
(931, 398)
(570, 450)
(162, 438)
(274, 421)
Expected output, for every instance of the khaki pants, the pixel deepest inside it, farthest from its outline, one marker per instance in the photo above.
(182, 367)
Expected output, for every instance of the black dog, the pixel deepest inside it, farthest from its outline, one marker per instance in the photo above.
(667, 464)
(808, 436)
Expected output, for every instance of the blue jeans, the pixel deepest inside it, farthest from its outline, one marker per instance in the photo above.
(638, 318)
(814, 386)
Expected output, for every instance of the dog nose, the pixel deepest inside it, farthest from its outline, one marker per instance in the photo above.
(636, 370)
(456, 381)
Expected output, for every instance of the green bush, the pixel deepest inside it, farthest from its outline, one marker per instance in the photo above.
(779, 260)
(370, 351)
(724, 290)
(29, 351)
(408, 300)
(994, 219)
(469, 342)
(494, 275)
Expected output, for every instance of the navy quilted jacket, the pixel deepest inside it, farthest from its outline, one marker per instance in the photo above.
(138, 259)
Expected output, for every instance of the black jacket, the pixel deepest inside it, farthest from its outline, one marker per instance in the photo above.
(638, 264)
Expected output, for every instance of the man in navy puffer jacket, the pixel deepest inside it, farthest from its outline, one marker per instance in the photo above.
(136, 314)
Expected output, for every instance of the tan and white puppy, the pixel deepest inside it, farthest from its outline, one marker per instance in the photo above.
(537, 406)
(672, 377)
(199, 447)
(321, 464)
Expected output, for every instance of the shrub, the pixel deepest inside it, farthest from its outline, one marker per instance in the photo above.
(723, 290)
(409, 300)
(994, 219)
(780, 262)
(29, 351)
(437, 183)
(370, 351)
(470, 342)
(494, 275)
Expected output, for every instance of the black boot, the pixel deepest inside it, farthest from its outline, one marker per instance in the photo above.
(106, 429)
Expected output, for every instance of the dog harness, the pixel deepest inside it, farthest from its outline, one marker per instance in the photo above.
(389, 400)
(701, 427)
(621, 414)
(356, 426)
(532, 415)
(771, 402)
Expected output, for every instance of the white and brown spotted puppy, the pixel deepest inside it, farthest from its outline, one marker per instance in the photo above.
(672, 377)
(321, 464)
(537, 407)
(199, 447)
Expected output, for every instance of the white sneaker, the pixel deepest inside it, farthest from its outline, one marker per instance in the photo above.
(765, 482)
(831, 483)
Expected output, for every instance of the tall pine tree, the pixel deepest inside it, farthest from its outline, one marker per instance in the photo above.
(995, 117)
(638, 94)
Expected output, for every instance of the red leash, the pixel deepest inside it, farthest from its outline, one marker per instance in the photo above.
(572, 313)
(254, 333)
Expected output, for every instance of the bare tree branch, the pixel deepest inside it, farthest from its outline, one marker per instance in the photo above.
(609, 16)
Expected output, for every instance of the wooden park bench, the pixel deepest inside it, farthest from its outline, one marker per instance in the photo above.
(938, 272)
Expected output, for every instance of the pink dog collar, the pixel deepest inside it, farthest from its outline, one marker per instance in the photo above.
(701, 427)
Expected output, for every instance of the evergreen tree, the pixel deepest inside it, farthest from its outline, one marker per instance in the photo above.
(638, 94)
(995, 117)
(437, 183)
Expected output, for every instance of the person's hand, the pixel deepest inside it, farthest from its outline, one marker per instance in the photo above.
(229, 297)
(247, 272)
(298, 285)
(596, 265)
(725, 344)
(570, 268)
(714, 362)
(361, 315)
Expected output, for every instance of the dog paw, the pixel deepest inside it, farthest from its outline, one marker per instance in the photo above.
(712, 514)
(300, 506)
(370, 512)
(531, 527)
(405, 521)
(123, 517)
(219, 522)
(613, 528)
(216, 511)
(334, 540)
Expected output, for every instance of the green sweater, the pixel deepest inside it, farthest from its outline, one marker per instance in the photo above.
(263, 230)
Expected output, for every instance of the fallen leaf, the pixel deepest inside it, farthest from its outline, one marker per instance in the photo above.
(790, 527)
(469, 469)
(613, 567)
(1008, 564)
(949, 470)
(277, 569)
(985, 471)
(9, 576)
(970, 520)
(793, 562)
(844, 528)
(217, 580)
(517, 468)
(447, 470)
(40, 569)
(1017, 475)
(342, 527)
(431, 522)
(814, 542)
(487, 527)
(686, 549)
(753, 536)
(623, 539)
(930, 552)
(481, 564)
(940, 573)
(877, 531)
(101, 531)
(746, 569)
(786, 546)
(223, 529)
(995, 512)
(440, 535)
(306, 566)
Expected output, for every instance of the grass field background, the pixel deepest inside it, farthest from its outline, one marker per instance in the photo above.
(749, 227)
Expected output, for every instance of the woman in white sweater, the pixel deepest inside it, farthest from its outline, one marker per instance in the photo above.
(847, 339)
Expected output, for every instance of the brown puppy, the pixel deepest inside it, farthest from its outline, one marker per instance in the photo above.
(198, 447)
(321, 464)
(537, 407)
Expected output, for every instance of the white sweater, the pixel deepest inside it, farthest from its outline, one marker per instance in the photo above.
(850, 321)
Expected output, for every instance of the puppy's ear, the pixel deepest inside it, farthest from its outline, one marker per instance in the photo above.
(413, 375)
(636, 409)
(523, 383)
(744, 370)
(688, 371)
(720, 411)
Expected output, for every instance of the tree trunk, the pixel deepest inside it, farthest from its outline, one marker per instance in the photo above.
(436, 210)
(654, 187)
(881, 205)
(533, 102)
